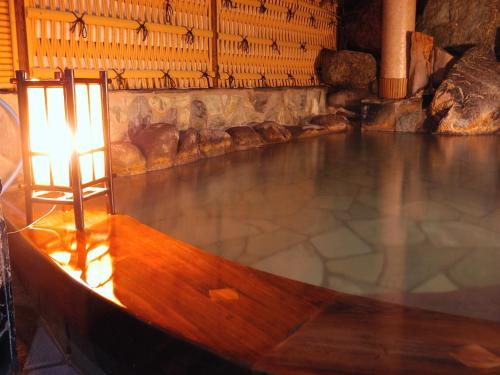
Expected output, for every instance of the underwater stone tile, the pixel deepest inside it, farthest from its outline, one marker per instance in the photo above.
(388, 231)
(366, 268)
(341, 242)
(358, 211)
(406, 267)
(467, 201)
(335, 203)
(460, 234)
(429, 211)
(309, 221)
(479, 269)
(492, 221)
(437, 284)
(298, 263)
(264, 244)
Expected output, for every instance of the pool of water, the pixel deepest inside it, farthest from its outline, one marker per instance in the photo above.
(407, 218)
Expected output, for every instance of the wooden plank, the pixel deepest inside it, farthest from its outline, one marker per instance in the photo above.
(169, 284)
(359, 336)
(247, 318)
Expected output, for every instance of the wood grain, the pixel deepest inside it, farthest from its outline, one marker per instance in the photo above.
(147, 303)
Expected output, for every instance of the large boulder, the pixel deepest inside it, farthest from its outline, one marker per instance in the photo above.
(244, 137)
(468, 100)
(307, 131)
(188, 150)
(158, 143)
(349, 99)
(127, 159)
(214, 142)
(347, 69)
(457, 24)
(272, 132)
(442, 63)
(333, 123)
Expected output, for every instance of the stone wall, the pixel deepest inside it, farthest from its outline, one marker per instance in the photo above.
(213, 108)
(219, 109)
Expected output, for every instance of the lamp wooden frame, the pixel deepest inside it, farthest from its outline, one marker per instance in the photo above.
(77, 193)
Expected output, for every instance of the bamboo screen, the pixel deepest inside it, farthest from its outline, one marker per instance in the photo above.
(273, 42)
(181, 43)
(8, 45)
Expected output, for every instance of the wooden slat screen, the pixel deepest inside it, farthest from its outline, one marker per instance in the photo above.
(175, 48)
(8, 45)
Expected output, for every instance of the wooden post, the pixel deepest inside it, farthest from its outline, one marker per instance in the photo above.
(215, 48)
(22, 40)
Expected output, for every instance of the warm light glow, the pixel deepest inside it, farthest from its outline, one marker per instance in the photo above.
(51, 137)
(90, 131)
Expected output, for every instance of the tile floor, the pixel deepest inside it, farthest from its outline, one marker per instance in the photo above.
(408, 218)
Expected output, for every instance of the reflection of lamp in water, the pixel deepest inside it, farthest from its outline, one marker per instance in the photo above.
(65, 141)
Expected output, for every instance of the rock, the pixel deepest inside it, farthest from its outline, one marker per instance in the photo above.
(139, 115)
(459, 24)
(362, 25)
(333, 123)
(347, 69)
(442, 63)
(383, 114)
(468, 100)
(199, 114)
(127, 159)
(272, 132)
(421, 62)
(158, 143)
(412, 122)
(349, 99)
(342, 112)
(214, 142)
(188, 150)
(307, 131)
(244, 137)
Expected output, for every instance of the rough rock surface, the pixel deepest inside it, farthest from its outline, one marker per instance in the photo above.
(442, 63)
(468, 100)
(127, 159)
(308, 131)
(421, 62)
(244, 137)
(383, 114)
(158, 143)
(188, 150)
(272, 132)
(412, 122)
(131, 111)
(347, 69)
(460, 23)
(349, 99)
(333, 123)
(214, 142)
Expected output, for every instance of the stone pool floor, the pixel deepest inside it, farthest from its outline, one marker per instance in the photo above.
(408, 218)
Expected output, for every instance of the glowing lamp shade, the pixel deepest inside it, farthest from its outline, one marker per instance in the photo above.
(65, 139)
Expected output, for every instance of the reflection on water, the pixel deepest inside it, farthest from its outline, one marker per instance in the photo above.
(83, 255)
(409, 218)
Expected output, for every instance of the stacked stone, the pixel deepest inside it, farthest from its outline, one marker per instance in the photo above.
(160, 146)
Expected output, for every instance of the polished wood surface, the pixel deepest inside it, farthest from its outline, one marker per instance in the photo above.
(254, 320)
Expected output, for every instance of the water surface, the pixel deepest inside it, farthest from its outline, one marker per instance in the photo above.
(408, 218)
